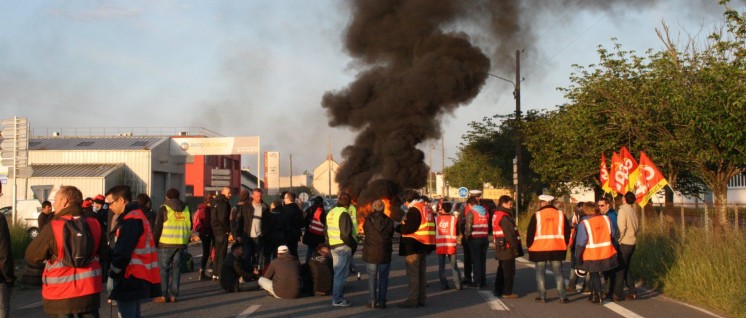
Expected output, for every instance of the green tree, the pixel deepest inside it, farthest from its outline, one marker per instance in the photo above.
(684, 107)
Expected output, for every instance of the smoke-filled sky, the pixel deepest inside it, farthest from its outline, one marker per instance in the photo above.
(245, 68)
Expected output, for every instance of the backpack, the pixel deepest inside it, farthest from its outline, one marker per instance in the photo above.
(78, 245)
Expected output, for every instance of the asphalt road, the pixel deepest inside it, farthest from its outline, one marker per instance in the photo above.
(206, 299)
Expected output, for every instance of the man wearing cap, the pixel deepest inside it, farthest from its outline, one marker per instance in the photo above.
(547, 239)
(282, 278)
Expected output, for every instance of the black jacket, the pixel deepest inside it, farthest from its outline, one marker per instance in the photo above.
(132, 288)
(231, 272)
(246, 218)
(162, 217)
(275, 228)
(408, 245)
(378, 243)
(7, 271)
(294, 216)
(220, 216)
(546, 255)
(512, 238)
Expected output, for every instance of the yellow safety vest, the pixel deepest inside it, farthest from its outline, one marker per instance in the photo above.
(176, 229)
(332, 225)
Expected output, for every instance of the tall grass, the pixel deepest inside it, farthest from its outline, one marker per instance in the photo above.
(19, 240)
(708, 269)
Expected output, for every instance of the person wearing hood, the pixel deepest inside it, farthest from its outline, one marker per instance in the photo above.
(173, 227)
(547, 239)
(377, 249)
(477, 229)
(221, 228)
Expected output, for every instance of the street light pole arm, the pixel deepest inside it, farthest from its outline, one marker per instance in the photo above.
(502, 78)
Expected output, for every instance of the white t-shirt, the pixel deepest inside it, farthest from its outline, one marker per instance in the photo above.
(256, 225)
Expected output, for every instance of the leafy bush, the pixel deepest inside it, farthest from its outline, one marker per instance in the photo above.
(19, 240)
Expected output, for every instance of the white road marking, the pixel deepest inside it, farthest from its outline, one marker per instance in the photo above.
(494, 302)
(32, 305)
(624, 312)
(248, 311)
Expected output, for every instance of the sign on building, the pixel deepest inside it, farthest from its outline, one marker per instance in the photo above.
(214, 146)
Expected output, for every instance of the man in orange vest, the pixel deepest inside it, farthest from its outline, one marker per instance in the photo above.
(507, 247)
(547, 239)
(68, 290)
(417, 240)
(595, 250)
(134, 258)
(445, 245)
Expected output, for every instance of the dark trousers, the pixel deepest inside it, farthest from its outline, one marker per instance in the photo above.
(221, 247)
(206, 249)
(505, 277)
(467, 260)
(92, 314)
(623, 273)
(478, 248)
(416, 280)
(293, 246)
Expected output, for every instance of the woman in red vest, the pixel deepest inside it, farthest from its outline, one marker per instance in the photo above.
(594, 249)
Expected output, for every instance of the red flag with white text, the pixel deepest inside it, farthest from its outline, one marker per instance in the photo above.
(650, 182)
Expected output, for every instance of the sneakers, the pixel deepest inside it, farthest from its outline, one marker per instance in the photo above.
(160, 300)
(343, 303)
(631, 297)
(540, 300)
(510, 296)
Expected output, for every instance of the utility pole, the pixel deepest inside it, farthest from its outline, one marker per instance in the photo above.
(291, 172)
(518, 139)
(329, 163)
(444, 192)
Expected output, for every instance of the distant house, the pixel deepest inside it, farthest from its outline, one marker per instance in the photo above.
(324, 177)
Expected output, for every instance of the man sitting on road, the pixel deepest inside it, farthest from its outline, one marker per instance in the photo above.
(232, 269)
(282, 278)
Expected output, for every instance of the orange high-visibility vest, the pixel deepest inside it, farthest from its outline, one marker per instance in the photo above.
(480, 224)
(445, 236)
(497, 230)
(550, 231)
(316, 227)
(425, 234)
(62, 282)
(599, 245)
(144, 262)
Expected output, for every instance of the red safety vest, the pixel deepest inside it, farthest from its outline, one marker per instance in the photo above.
(445, 236)
(62, 282)
(497, 230)
(599, 245)
(550, 231)
(316, 227)
(425, 234)
(480, 224)
(144, 262)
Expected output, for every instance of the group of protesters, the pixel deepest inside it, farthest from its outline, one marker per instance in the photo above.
(110, 240)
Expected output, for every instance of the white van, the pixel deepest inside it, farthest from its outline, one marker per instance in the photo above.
(28, 214)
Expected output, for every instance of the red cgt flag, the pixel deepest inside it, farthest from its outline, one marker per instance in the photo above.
(619, 178)
(630, 167)
(604, 175)
(650, 182)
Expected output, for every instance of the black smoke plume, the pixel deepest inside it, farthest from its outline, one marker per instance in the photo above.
(412, 73)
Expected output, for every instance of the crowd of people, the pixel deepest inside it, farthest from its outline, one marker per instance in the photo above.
(137, 254)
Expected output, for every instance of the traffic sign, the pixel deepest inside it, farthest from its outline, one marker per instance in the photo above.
(303, 197)
(463, 192)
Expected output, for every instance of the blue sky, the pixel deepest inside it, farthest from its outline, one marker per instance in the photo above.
(260, 67)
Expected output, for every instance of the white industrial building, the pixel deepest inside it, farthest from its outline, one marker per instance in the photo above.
(95, 164)
(324, 177)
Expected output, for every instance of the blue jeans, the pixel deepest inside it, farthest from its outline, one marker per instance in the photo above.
(341, 262)
(454, 269)
(4, 300)
(129, 309)
(378, 282)
(541, 271)
(169, 260)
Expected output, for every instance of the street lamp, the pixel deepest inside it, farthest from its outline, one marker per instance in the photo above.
(517, 97)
